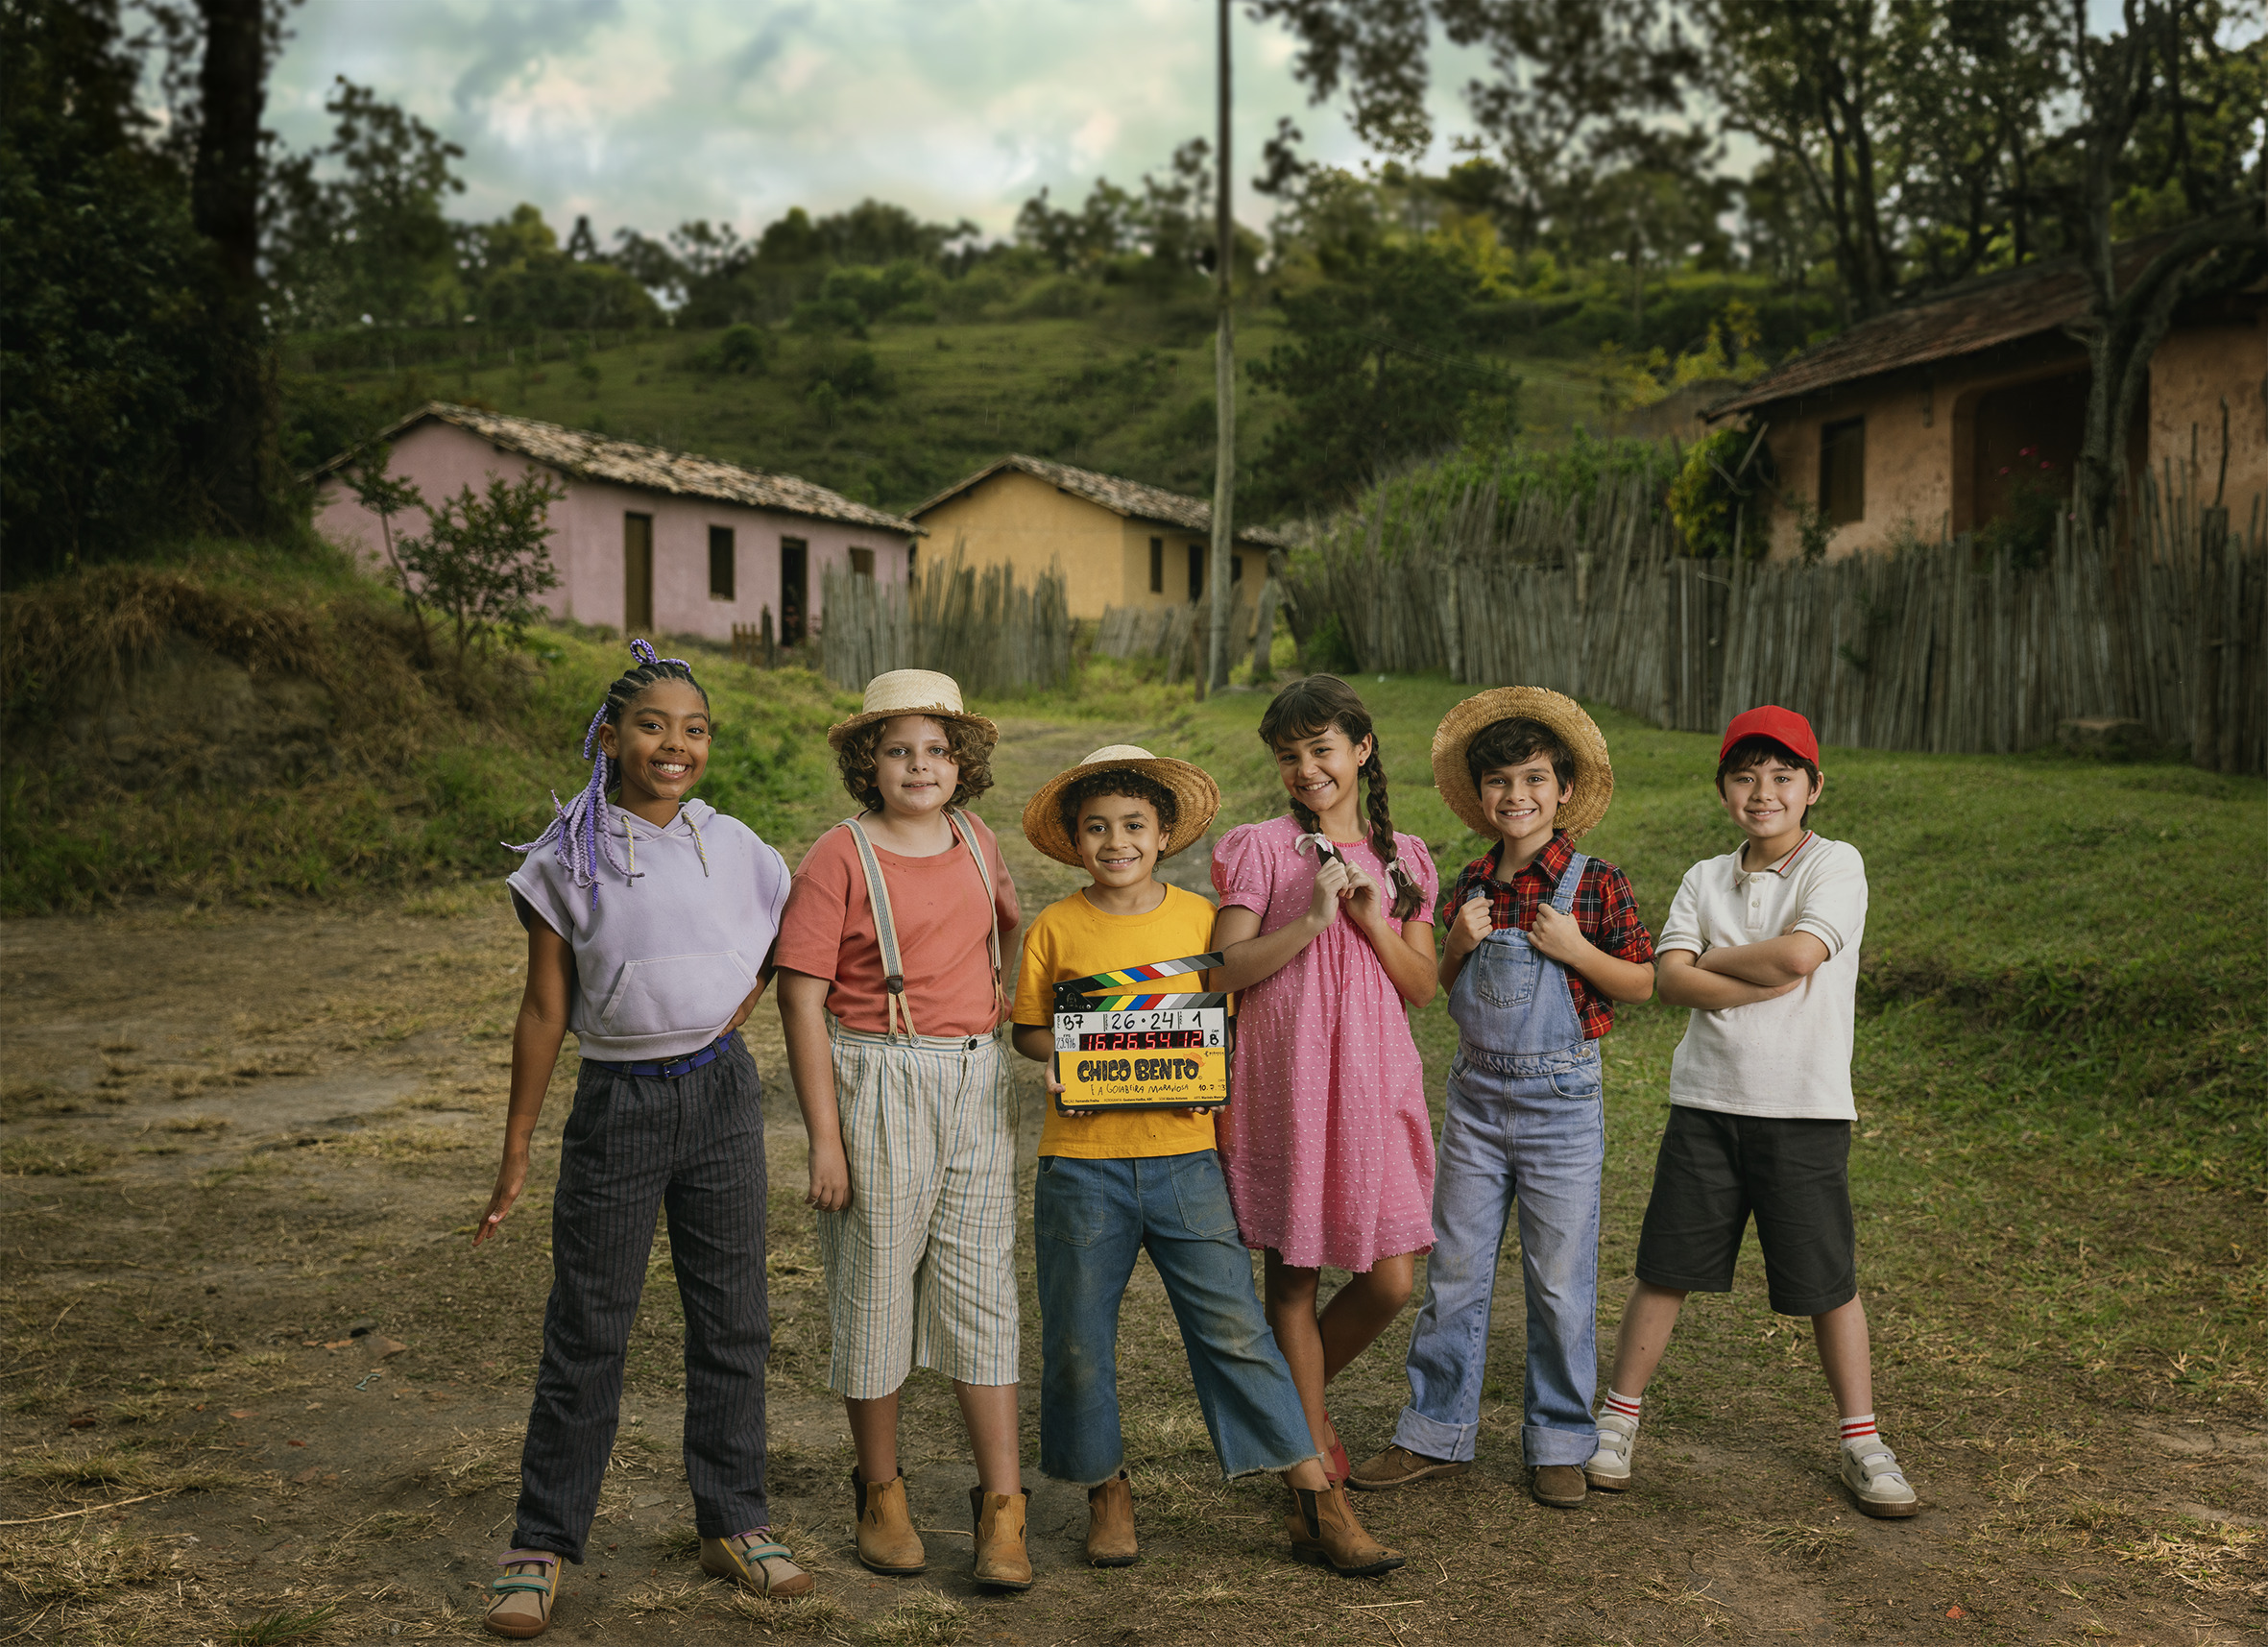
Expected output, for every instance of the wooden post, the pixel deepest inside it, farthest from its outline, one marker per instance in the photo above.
(1224, 388)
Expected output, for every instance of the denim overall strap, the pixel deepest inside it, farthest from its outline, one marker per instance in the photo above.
(1511, 1000)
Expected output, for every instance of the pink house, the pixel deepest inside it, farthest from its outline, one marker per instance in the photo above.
(646, 541)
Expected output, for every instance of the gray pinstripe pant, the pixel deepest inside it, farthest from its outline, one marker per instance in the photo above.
(634, 1146)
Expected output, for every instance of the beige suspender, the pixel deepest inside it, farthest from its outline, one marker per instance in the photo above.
(885, 925)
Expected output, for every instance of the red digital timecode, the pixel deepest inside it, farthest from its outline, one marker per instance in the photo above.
(1142, 1041)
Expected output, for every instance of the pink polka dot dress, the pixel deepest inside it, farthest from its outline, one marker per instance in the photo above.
(1326, 1143)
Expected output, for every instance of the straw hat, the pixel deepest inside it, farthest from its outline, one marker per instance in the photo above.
(1594, 776)
(1196, 798)
(912, 691)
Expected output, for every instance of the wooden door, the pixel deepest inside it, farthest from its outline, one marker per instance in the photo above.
(794, 590)
(638, 574)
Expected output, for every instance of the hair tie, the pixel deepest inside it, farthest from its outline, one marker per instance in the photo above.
(1318, 843)
(644, 652)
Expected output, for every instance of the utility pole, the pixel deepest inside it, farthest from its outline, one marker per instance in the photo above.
(1225, 386)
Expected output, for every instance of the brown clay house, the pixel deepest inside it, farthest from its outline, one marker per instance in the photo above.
(1930, 417)
(1120, 543)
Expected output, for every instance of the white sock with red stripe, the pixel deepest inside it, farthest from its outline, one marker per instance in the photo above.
(1859, 1434)
(1621, 1406)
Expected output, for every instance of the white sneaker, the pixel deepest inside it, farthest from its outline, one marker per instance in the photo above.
(1876, 1481)
(1609, 1467)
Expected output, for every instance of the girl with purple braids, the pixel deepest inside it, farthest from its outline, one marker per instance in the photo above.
(651, 920)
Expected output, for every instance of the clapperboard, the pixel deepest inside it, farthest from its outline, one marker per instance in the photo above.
(1120, 1045)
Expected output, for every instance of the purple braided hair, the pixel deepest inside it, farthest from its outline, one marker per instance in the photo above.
(578, 831)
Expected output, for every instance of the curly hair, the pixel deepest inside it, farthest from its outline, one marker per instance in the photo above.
(971, 753)
(1119, 780)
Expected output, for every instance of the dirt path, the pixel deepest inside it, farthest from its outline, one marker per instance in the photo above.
(246, 1335)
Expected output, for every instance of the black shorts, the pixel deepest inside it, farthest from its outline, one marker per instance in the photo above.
(1714, 1169)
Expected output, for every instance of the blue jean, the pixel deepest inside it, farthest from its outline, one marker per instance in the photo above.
(1530, 1130)
(1092, 1218)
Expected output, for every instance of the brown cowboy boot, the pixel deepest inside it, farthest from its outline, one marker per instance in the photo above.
(888, 1542)
(1002, 1562)
(1324, 1532)
(1110, 1524)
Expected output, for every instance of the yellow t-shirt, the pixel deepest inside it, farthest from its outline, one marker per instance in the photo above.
(1072, 939)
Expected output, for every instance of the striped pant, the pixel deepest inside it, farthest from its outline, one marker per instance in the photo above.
(634, 1146)
(921, 1267)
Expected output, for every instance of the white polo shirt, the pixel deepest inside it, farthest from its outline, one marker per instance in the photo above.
(1789, 1057)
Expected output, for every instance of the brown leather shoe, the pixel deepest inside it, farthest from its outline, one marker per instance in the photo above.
(1399, 1466)
(1560, 1486)
(1002, 1560)
(888, 1542)
(1110, 1524)
(1325, 1533)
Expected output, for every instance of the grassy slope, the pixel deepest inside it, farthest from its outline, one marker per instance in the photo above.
(1128, 390)
(434, 774)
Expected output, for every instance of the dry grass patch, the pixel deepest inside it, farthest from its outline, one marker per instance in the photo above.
(2199, 1556)
(80, 1563)
(815, 1615)
(284, 1625)
(52, 1158)
(928, 1619)
(115, 1467)
(1801, 1539)
(198, 1123)
(480, 1458)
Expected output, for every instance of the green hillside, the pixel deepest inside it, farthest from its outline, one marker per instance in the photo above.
(1124, 386)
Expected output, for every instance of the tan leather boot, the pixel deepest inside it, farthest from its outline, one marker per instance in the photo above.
(1110, 1524)
(888, 1542)
(1001, 1561)
(1324, 1532)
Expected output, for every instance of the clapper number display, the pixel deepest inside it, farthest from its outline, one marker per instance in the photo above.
(1120, 1045)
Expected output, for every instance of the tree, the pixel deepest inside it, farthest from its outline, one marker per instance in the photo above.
(387, 497)
(106, 294)
(2146, 129)
(355, 228)
(1374, 371)
(484, 560)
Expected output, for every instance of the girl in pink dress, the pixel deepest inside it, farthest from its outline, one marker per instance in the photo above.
(1326, 925)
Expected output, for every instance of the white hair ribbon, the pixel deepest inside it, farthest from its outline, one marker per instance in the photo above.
(1320, 844)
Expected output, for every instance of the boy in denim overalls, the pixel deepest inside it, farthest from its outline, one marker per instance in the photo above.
(1541, 941)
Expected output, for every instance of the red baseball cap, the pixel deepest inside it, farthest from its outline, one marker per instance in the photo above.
(1783, 726)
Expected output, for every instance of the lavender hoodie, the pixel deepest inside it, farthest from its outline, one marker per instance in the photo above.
(662, 962)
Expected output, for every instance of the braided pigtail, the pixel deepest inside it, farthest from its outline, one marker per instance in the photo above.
(1303, 709)
(1399, 880)
(578, 831)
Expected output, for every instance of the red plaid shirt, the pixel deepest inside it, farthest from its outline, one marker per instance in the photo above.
(1605, 910)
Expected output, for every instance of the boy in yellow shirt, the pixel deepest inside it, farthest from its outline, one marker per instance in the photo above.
(1113, 1186)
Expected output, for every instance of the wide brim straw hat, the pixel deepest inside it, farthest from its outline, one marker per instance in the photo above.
(1594, 774)
(1195, 798)
(912, 691)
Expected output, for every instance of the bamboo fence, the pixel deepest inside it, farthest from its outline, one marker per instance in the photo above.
(1942, 647)
(1179, 634)
(986, 630)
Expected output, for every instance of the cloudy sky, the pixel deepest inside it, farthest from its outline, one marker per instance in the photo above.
(647, 113)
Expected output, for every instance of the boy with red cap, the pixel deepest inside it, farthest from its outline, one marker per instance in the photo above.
(1762, 945)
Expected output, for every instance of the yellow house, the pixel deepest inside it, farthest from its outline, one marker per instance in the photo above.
(1120, 543)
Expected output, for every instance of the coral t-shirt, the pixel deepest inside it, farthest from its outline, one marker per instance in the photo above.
(828, 930)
